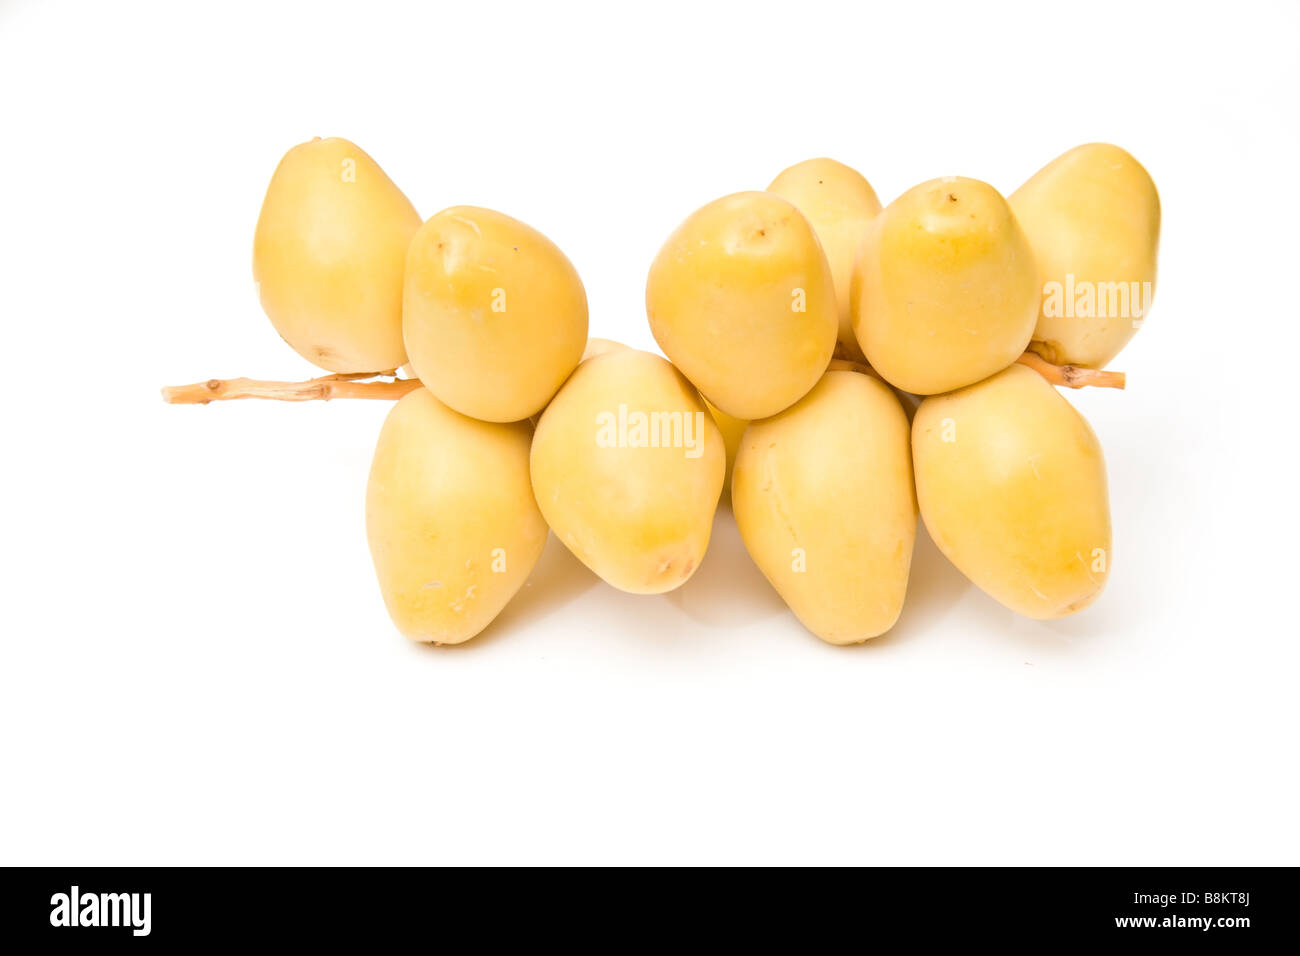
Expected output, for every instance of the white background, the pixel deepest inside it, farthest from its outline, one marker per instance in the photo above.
(195, 663)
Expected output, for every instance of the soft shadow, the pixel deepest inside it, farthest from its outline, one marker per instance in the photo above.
(988, 616)
(1095, 622)
(934, 586)
(728, 588)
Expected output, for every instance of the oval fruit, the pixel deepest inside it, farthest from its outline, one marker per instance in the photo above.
(823, 498)
(945, 290)
(1092, 216)
(627, 468)
(1012, 487)
(839, 204)
(494, 314)
(740, 298)
(328, 255)
(453, 527)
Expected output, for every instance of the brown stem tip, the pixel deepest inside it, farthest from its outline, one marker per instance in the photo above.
(1072, 376)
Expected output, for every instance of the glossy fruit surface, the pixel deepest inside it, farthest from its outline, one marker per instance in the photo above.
(328, 256)
(1012, 486)
(1092, 216)
(823, 498)
(839, 203)
(450, 517)
(627, 467)
(494, 314)
(740, 298)
(945, 290)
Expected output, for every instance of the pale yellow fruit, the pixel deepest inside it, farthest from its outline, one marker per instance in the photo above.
(494, 314)
(1092, 216)
(732, 428)
(823, 498)
(597, 346)
(1012, 487)
(945, 290)
(453, 527)
(839, 204)
(328, 255)
(627, 467)
(740, 298)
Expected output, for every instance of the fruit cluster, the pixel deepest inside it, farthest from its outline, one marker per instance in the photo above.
(833, 365)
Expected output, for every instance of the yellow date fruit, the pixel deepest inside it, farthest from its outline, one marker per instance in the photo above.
(823, 498)
(839, 204)
(627, 468)
(453, 527)
(945, 290)
(1092, 216)
(494, 314)
(740, 298)
(1012, 487)
(732, 428)
(328, 255)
